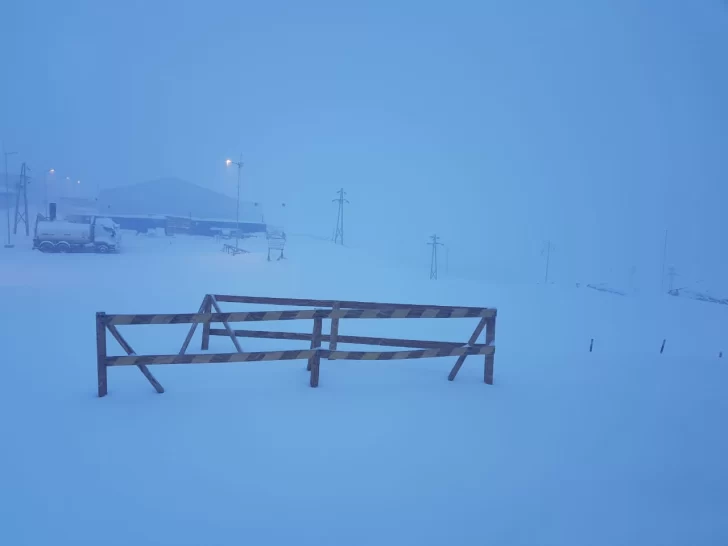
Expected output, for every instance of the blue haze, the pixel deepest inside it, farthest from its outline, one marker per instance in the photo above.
(498, 125)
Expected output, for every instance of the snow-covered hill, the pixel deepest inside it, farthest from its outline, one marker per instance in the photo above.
(623, 445)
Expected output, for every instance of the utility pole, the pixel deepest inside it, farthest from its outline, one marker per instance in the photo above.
(664, 260)
(22, 188)
(671, 273)
(7, 196)
(339, 233)
(433, 261)
(237, 208)
(547, 251)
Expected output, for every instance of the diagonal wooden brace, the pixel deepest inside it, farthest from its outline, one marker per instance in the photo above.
(230, 331)
(127, 348)
(202, 309)
(473, 339)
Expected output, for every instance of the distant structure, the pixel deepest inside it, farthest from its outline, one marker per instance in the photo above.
(175, 197)
(671, 274)
(664, 261)
(339, 233)
(435, 242)
(548, 248)
(22, 192)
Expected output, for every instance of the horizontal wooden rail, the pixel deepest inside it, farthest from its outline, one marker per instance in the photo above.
(368, 305)
(309, 314)
(269, 356)
(353, 340)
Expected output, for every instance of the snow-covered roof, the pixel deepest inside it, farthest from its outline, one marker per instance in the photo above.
(175, 197)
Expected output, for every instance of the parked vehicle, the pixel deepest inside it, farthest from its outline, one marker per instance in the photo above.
(101, 235)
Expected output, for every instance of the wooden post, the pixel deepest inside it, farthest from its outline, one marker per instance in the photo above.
(591, 345)
(315, 361)
(662, 349)
(193, 327)
(489, 359)
(101, 353)
(206, 327)
(334, 338)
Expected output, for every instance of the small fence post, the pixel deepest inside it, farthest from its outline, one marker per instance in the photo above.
(489, 359)
(315, 361)
(101, 353)
(334, 338)
(207, 308)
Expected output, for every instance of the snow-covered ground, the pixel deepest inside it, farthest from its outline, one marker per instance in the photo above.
(619, 446)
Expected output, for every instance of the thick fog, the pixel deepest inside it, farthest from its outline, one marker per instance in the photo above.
(497, 125)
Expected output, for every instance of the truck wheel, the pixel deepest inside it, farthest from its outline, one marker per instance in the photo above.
(102, 249)
(47, 246)
(63, 247)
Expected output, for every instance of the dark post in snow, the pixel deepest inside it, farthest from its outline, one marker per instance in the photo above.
(339, 233)
(314, 362)
(489, 359)
(101, 353)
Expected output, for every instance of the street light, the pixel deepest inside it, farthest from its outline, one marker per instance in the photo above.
(229, 162)
(51, 172)
(7, 195)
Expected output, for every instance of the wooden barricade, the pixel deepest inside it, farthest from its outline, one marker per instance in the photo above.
(234, 250)
(210, 313)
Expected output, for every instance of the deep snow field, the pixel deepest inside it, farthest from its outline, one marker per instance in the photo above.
(619, 446)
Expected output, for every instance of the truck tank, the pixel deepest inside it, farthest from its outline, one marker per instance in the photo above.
(64, 231)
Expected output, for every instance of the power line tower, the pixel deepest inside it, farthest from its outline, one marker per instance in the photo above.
(339, 233)
(671, 274)
(435, 242)
(548, 249)
(23, 182)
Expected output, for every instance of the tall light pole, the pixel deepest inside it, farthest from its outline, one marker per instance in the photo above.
(229, 162)
(48, 172)
(7, 195)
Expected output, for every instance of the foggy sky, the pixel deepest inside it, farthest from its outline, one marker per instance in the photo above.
(498, 125)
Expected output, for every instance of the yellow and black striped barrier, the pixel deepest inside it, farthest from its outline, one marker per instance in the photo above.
(337, 310)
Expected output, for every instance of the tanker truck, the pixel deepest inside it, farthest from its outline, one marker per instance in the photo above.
(101, 235)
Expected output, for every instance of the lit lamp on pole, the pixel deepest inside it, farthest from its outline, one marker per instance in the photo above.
(49, 172)
(229, 162)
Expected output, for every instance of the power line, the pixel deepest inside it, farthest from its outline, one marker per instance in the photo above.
(433, 262)
(339, 233)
